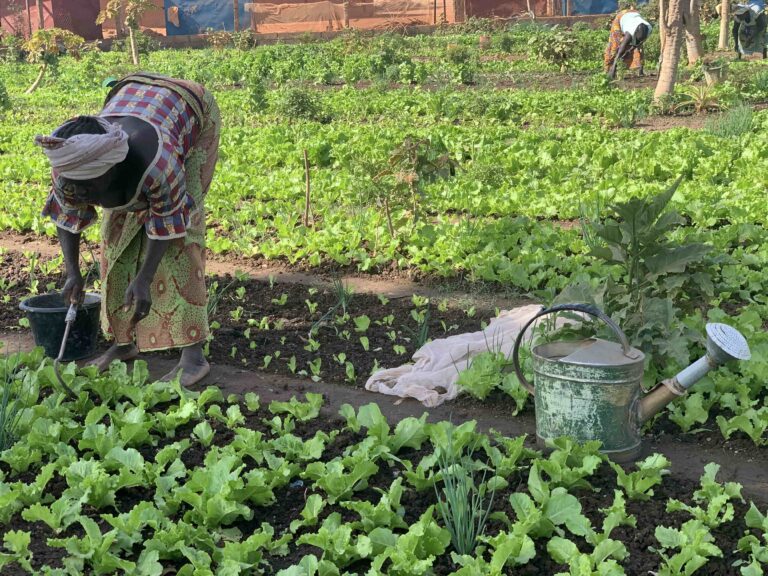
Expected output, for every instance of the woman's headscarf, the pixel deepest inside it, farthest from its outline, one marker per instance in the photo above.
(85, 156)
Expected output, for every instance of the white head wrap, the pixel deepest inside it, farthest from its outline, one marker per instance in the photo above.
(86, 156)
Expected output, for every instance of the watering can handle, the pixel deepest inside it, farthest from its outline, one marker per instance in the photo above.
(587, 309)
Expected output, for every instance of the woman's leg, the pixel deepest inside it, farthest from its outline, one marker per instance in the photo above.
(198, 170)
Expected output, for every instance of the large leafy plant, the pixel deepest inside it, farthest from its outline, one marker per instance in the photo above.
(652, 278)
(555, 46)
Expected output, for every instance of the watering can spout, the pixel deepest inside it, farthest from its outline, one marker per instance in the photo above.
(724, 344)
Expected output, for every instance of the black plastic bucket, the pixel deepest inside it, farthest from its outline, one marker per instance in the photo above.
(46, 315)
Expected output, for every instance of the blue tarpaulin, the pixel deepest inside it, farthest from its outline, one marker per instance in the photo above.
(200, 16)
(581, 7)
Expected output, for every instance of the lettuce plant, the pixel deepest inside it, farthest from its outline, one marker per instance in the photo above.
(692, 545)
(638, 485)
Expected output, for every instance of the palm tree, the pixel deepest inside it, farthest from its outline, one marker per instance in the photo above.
(131, 11)
(672, 30)
(693, 43)
(46, 46)
(725, 9)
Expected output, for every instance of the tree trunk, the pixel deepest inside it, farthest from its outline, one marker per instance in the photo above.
(346, 13)
(134, 48)
(459, 11)
(29, 19)
(40, 15)
(725, 16)
(120, 20)
(662, 29)
(39, 79)
(236, 11)
(693, 43)
(676, 15)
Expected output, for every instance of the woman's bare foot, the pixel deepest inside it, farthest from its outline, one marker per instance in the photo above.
(193, 366)
(116, 352)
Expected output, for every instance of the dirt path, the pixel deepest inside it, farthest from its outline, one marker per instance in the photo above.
(391, 286)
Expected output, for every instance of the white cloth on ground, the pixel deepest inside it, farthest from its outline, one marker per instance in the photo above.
(630, 21)
(431, 379)
(86, 156)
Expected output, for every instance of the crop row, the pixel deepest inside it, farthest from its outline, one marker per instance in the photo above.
(136, 477)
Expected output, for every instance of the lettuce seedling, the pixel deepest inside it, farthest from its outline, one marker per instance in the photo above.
(716, 496)
(638, 485)
(17, 541)
(387, 513)
(571, 463)
(301, 411)
(694, 545)
(310, 514)
(601, 562)
(337, 542)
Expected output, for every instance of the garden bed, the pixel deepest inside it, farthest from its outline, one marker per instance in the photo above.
(314, 484)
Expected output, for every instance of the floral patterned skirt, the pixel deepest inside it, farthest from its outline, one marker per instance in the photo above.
(179, 312)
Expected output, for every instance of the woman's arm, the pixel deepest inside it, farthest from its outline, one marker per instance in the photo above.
(70, 248)
(620, 54)
(138, 293)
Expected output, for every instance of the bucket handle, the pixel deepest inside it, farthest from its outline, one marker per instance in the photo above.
(587, 309)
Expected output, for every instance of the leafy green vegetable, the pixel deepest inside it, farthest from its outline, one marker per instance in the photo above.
(638, 485)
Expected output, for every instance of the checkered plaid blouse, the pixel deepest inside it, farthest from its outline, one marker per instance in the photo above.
(162, 193)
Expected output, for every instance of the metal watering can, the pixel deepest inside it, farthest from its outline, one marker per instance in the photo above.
(591, 389)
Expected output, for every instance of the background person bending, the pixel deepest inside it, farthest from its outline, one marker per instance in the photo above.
(629, 30)
(749, 25)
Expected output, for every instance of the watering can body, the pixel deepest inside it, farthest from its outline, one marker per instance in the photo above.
(589, 390)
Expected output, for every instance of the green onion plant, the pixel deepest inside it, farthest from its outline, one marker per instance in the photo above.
(464, 504)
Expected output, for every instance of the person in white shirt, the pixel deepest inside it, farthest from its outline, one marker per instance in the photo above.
(629, 30)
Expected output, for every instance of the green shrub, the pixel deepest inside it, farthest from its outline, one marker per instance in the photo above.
(257, 94)
(759, 83)
(5, 99)
(458, 54)
(556, 46)
(298, 103)
(735, 122)
(506, 43)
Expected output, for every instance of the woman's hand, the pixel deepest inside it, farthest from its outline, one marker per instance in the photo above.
(138, 296)
(74, 287)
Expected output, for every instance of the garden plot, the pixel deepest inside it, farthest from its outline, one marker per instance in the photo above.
(429, 157)
(156, 478)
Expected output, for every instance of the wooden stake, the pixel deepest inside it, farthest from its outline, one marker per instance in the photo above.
(307, 206)
(29, 20)
(236, 7)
